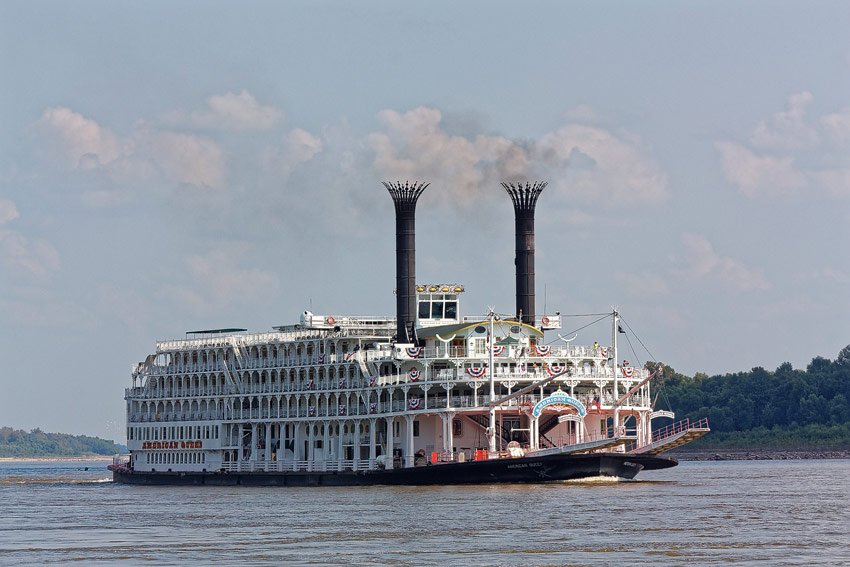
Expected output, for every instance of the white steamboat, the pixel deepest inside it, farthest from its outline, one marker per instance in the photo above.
(426, 397)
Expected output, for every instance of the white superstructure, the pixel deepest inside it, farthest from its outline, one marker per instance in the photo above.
(334, 393)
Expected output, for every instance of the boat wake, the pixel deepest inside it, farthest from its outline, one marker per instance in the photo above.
(598, 480)
(53, 480)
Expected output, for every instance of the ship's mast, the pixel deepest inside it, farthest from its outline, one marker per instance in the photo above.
(491, 431)
(616, 329)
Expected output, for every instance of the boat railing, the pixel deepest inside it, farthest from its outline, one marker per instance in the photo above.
(679, 427)
(289, 465)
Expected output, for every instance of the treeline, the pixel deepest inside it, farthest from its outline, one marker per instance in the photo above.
(37, 443)
(783, 409)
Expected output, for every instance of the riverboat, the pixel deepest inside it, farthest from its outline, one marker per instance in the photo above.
(425, 397)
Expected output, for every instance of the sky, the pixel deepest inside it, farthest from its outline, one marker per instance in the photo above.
(172, 166)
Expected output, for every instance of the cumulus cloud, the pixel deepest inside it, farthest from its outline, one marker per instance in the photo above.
(230, 112)
(219, 279)
(22, 257)
(299, 146)
(703, 263)
(837, 125)
(755, 174)
(591, 162)
(79, 142)
(787, 129)
(787, 154)
(186, 158)
(8, 211)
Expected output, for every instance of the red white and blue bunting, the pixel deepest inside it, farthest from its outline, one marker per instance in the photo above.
(498, 350)
(414, 403)
(542, 350)
(349, 355)
(309, 384)
(415, 373)
(311, 411)
(341, 409)
(414, 352)
(604, 351)
(321, 359)
(342, 382)
(476, 372)
(373, 407)
(372, 380)
(554, 369)
(628, 371)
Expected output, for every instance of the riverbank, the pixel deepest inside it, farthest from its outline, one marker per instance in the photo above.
(758, 454)
(54, 459)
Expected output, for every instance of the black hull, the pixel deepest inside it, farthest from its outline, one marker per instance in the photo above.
(526, 470)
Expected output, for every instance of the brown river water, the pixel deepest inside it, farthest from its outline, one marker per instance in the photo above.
(699, 513)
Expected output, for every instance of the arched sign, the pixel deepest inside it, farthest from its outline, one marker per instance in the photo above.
(558, 398)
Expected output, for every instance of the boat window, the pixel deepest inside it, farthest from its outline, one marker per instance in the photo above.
(437, 310)
(424, 310)
(451, 310)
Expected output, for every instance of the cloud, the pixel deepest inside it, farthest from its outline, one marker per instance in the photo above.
(229, 112)
(755, 174)
(146, 154)
(837, 125)
(22, 257)
(216, 279)
(703, 263)
(298, 147)
(78, 142)
(596, 164)
(787, 129)
(185, 158)
(8, 211)
(592, 163)
(785, 155)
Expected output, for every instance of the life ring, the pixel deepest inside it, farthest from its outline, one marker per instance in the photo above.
(330, 320)
(545, 320)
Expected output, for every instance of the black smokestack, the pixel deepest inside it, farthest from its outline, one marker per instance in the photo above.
(405, 197)
(524, 199)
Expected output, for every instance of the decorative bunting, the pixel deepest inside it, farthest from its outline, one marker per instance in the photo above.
(604, 351)
(476, 372)
(321, 359)
(372, 380)
(309, 384)
(341, 409)
(349, 355)
(498, 350)
(542, 350)
(415, 373)
(342, 382)
(554, 369)
(628, 371)
(414, 403)
(373, 407)
(414, 352)
(311, 411)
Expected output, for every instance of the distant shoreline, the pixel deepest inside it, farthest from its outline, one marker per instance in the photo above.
(53, 459)
(758, 454)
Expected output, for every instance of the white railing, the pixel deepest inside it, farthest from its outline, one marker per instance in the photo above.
(299, 466)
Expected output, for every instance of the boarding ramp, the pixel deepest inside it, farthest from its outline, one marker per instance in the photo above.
(674, 435)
